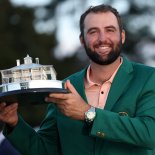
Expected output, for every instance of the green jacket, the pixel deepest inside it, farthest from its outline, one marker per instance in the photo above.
(126, 125)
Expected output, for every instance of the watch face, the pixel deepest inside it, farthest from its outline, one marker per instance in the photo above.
(90, 115)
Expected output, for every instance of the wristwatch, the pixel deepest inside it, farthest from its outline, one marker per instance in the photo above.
(90, 115)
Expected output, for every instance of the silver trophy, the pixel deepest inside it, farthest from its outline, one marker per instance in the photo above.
(29, 82)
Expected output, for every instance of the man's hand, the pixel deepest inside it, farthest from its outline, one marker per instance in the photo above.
(70, 104)
(8, 114)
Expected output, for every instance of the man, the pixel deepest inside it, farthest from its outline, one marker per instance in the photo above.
(110, 107)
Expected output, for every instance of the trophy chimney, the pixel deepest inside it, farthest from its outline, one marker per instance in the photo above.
(37, 60)
(18, 62)
(27, 60)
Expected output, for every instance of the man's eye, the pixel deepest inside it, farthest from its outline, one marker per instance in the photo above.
(92, 32)
(110, 30)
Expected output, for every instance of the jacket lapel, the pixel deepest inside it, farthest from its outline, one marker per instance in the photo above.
(120, 82)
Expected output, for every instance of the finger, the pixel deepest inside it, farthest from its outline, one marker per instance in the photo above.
(54, 100)
(13, 111)
(2, 104)
(9, 108)
(65, 86)
(61, 96)
(8, 113)
(2, 107)
(70, 87)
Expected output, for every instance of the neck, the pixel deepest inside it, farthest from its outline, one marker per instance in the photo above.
(102, 73)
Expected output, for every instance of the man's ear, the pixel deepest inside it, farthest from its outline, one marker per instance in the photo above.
(123, 36)
(81, 39)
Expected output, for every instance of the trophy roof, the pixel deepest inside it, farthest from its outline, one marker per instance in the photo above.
(26, 66)
(29, 66)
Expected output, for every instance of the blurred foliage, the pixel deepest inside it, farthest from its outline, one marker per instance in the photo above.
(138, 22)
(18, 37)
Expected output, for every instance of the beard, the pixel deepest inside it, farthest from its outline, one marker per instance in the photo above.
(111, 57)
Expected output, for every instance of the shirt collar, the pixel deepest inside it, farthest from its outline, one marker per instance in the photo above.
(89, 83)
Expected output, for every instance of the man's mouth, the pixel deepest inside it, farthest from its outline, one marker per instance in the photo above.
(104, 47)
(103, 50)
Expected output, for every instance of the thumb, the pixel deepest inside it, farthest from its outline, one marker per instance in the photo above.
(70, 87)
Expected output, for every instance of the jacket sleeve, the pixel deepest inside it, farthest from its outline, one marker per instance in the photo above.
(29, 142)
(137, 130)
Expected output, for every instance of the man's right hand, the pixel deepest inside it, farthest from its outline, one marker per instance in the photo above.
(8, 114)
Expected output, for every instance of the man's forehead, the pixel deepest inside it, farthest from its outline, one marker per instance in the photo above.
(106, 18)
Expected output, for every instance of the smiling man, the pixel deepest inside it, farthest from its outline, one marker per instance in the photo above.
(102, 38)
(110, 107)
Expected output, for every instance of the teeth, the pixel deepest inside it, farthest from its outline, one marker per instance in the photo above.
(103, 47)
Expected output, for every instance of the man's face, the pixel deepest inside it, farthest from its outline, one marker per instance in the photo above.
(102, 38)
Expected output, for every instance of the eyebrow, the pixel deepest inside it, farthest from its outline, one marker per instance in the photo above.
(95, 28)
(111, 26)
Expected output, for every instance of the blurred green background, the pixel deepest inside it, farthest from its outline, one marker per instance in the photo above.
(43, 31)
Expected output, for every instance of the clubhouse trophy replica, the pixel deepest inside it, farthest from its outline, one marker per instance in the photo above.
(29, 82)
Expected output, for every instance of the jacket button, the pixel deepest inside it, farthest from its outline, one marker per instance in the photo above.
(100, 134)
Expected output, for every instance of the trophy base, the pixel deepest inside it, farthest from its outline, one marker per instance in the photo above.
(29, 96)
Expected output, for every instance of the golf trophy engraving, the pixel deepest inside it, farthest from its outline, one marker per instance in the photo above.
(29, 82)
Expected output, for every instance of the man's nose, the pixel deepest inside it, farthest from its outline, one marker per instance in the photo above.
(102, 36)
